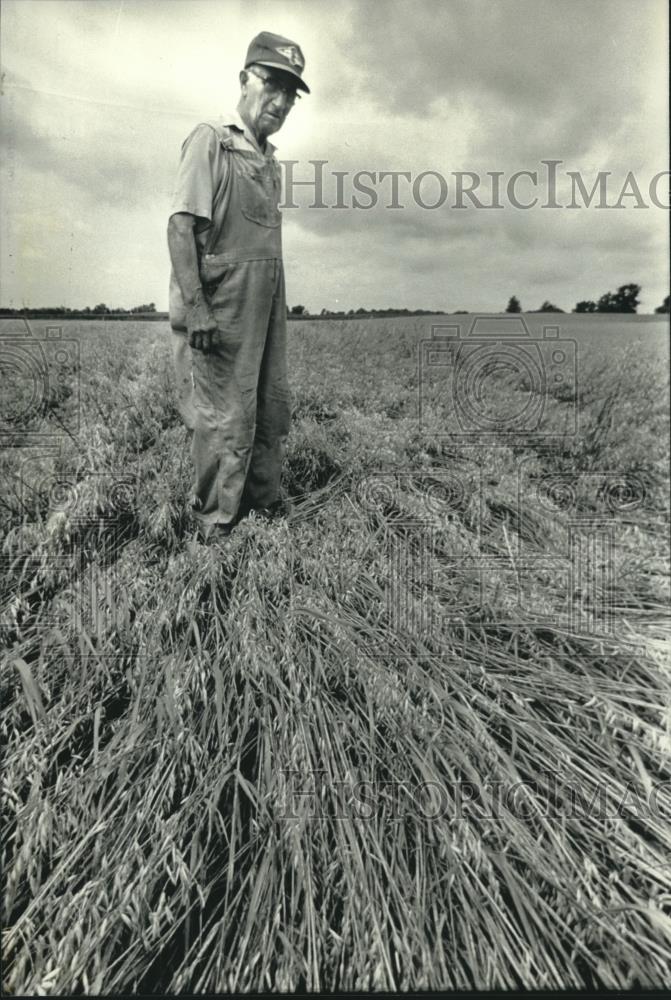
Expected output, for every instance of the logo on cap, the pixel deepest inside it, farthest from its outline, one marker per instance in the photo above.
(292, 54)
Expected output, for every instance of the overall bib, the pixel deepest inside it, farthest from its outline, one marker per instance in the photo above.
(235, 399)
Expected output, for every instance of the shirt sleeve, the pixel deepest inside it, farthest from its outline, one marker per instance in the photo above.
(195, 185)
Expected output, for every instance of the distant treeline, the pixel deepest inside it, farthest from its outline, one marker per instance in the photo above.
(148, 312)
(60, 312)
(101, 311)
(301, 312)
(109, 315)
(624, 300)
(63, 312)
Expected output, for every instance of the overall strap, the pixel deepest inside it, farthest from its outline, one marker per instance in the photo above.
(220, 202)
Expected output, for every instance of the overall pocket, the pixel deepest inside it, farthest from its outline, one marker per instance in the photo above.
(259, 189)
(212, 274)
(225, 292)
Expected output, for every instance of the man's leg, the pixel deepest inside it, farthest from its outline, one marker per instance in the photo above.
(273, 409)
(215, 426)
(222, 440)
(225, 389)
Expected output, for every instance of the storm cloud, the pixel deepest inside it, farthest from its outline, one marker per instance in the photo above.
(98, 97)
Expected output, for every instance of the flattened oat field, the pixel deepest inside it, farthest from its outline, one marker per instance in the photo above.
(417, 738)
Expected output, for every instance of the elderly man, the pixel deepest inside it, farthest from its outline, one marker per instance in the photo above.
(227, 300)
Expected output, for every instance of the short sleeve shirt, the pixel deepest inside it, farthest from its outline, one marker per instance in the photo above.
(202, 173)
(202, 170)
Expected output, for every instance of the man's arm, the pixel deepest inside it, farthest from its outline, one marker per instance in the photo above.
(200, 322)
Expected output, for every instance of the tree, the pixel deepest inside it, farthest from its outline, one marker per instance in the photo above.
(514, 305)
(624, 300)
(100, 308)
(298, 311)
(627, 298)
(548, 307)
(586, 306)
(664, 308)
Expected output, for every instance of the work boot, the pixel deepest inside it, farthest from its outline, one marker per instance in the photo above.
(281, 509)
(219, 532)
(210, 534)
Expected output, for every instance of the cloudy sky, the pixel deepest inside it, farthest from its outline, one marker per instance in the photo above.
(99, 94)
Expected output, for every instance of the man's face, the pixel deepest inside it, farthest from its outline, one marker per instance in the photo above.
(267, 97)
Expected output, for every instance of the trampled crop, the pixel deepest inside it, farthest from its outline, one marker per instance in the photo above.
(418, 737)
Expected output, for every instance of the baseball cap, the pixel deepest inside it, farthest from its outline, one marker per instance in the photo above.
(278, 52)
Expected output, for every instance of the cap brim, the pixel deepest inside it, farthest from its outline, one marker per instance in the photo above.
(300, 82)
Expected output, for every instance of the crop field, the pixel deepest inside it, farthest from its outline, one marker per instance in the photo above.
(416, 737)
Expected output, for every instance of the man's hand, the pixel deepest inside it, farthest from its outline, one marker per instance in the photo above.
(201, 325)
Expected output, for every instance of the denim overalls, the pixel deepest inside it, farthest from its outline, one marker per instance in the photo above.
(235, 399)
